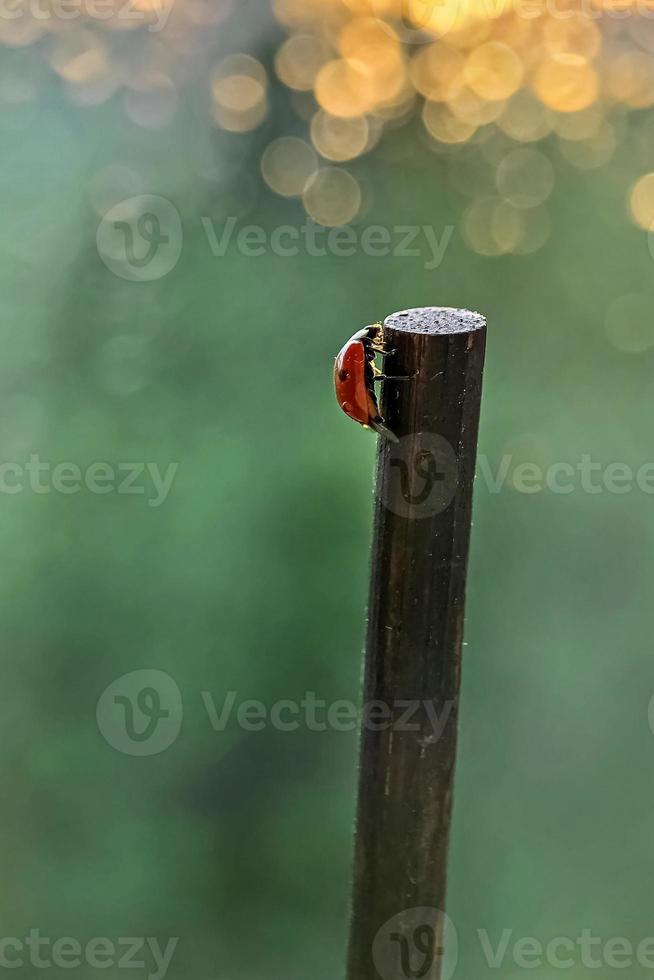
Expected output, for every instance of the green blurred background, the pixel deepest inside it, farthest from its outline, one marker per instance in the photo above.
(251, 576)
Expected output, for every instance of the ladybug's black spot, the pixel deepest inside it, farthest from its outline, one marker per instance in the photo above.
(343, 375)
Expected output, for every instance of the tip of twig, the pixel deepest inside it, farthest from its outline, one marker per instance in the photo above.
(436, 320)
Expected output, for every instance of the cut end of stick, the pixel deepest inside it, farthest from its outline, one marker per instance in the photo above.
(436, 320)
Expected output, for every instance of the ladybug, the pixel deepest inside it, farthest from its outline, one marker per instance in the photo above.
(355, 374)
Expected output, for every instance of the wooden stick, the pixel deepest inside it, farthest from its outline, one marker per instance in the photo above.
(422, 521)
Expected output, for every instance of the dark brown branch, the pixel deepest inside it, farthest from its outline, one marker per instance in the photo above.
(422, 523)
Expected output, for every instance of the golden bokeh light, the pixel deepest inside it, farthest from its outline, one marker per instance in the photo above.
(22, 30)
(313, 13)
(525, 178)
(365, 37)
(415, 17)
(493, 71)
(444, 126)
(492, 227)
(594, 151)
(642, 202)
(566, 83)
(299, 60)
(240, 64)
(581, 125)
(287, 165)
(343, 88)
(339, 139)
(535, 231)
(468, 106)
(531, 88)
(641, 30)
(436, 72)
(239, 92)
(378, 55)
(629, 79)
(240, 121)
(525, 119)
(79, 57)
(575, 35)
(507, 227)
(332, 197)
(475, 25)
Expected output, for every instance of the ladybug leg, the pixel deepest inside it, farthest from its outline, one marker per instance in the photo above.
(377, 424)
(380, 376)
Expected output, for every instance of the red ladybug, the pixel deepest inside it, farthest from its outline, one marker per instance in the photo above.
(355, 374)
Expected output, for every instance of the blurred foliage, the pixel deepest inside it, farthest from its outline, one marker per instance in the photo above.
(251, 577)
